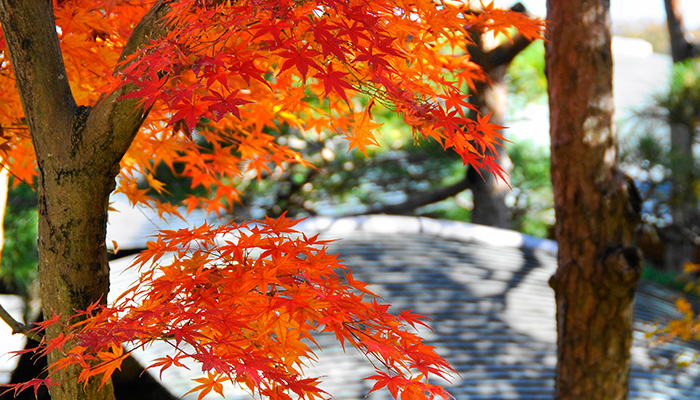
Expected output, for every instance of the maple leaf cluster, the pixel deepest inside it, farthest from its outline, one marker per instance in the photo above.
(231, 72)
(686, 327)
(243, 300)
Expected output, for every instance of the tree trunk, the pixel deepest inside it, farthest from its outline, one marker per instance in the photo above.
(78, 150)
(597, 207)
(489, 195)
(679, 246)
(681, 47)
(73, 267)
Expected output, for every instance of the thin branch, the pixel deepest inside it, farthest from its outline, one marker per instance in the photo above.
(503, 53)
(420, 199)
(18, 327)
(506, 52)
(151, 27)
(114, 121)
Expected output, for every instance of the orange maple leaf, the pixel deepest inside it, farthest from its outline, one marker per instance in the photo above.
(207, 384)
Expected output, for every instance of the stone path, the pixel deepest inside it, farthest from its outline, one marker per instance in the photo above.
(492, 309)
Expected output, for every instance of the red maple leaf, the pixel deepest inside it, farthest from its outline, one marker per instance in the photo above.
(301, 58)
(333, 82)
(223, 105)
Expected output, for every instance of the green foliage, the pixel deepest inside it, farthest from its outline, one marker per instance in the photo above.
(650, 149)
(19, 256)
(348, 182)
(668, 279)
(533, 201)
(526, 80)
(681, 101)
(456, 208)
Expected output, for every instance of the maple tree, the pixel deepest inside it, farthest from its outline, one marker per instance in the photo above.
(94, 91)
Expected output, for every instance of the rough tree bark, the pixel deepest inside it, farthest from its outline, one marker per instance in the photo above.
(597, 207)
(78, 150)
(492, 97)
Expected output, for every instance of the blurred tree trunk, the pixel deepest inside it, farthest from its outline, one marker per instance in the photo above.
(489, 195)
(492, 97)
(681, 47)
(597, 207)
(679, 245)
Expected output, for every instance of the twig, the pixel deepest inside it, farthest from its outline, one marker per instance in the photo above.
(18, 327)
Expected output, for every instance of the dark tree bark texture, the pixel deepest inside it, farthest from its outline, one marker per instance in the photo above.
(596, 207)
(78, 150)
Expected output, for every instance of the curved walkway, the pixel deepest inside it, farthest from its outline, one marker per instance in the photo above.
(492, 309)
